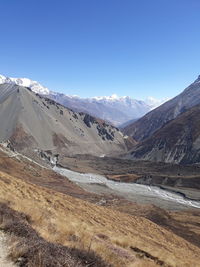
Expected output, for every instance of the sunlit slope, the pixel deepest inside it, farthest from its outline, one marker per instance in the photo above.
(31, 123)
(121, 239)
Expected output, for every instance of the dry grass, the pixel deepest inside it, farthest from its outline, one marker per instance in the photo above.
(184, 223)
(72, 222)
(29, 249)
(61, 219)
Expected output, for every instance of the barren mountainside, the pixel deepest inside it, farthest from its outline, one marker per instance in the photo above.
(35, 123)
(178, 141)
(157, 118)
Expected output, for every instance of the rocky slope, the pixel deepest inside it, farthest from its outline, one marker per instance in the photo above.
(157, 118)
(177, 142)
(34, 123)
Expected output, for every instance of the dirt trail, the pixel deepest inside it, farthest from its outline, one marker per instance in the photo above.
(4, 262)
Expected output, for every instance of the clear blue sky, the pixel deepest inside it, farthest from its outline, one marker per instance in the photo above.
(138, 48)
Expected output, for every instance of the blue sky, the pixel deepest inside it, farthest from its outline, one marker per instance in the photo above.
(138, 48)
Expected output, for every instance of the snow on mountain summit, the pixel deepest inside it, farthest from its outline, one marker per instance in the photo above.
(113, 97)
(33, 85)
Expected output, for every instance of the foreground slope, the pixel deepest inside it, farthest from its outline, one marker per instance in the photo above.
(156, 119)
(119, 238)
(177, 142)
(34, 123)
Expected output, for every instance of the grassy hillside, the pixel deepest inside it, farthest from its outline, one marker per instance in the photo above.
(119, 238)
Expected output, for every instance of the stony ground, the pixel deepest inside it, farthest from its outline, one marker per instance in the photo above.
(4, 261)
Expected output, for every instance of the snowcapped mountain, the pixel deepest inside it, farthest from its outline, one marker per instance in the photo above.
(33, 85)
(115, 109)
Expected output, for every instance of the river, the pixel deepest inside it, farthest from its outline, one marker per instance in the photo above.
(143, 194)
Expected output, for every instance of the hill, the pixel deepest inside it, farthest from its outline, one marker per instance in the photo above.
(119, 238)
(35, 124)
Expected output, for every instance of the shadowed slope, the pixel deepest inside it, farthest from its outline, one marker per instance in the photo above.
(177, 142)
(156, 119)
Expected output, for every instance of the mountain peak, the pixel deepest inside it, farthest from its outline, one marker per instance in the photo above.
(114, 108)
(33, 85)
(197, 80)
(36, 122)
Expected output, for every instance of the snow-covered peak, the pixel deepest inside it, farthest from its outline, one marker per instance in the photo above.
(33, 85)
(4, 79)
(112, 98)
(149, 103)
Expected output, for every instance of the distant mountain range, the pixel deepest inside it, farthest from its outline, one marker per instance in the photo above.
(114, 109)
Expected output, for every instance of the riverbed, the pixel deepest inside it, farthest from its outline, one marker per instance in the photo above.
(138, 193)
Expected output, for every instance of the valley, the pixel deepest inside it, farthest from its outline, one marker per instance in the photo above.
(173, 177)
(99, 133)
(82, 187)
(131, 191)
(53, 202)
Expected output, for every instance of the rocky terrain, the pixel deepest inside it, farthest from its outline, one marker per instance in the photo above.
(183, 179)
(178, 141)
(4, 251)
(157, 118)
(35, 124)
(110, 220)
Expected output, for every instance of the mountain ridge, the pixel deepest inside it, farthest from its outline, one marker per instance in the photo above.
(114, 109)
(146, 126)
(176, 142)
(35, 123)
